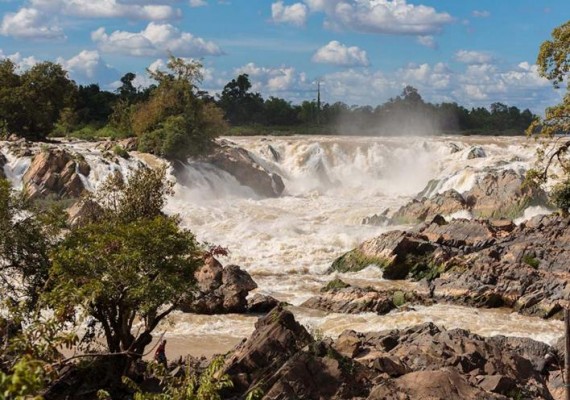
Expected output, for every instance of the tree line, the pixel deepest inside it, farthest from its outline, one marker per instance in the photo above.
(173, 118)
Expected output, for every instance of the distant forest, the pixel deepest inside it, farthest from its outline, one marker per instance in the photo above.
(43, 102)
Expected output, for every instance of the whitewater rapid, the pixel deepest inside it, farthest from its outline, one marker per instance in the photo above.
(287, 243)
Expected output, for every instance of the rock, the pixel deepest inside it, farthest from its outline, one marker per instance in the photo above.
(445, 384)
(245, 168)
(83, 212)
(53, 172)
(397, 253)
(495, 195)
(261, 304)
(453, 148)
(497, 384)
(277, 338)
(392, 366)
(421, 210)
(476, 152)
(129, 144)
(377, 219)
(352, 300)
(219, 290)
(3, 162)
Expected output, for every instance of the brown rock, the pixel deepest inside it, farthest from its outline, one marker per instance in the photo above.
(83, 212)
(261, 304)
(53, 172)
(242, 165)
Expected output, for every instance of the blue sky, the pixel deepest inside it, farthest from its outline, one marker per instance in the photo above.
(364, 51)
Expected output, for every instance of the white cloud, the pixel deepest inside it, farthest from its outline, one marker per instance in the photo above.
(23, 63)
(481, 14)
(89, 67)
(155, 40)
(139, 9)
(295, 14)
(427, 41)
(337, 53)
(271, 80)
(198, 3)
(30, 23)
(378, 16)
(473, 57)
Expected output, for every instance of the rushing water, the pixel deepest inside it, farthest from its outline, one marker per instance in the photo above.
(287, 243)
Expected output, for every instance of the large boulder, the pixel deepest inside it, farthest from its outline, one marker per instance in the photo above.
(220, 290)
(496, 194)
(352, 300)
(277, 338)
(242, 165)
(83, 212)
(55, 172)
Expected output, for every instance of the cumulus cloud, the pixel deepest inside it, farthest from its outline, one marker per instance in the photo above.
(427, 41)
(481, 14)
(22, 62)
(88, 67)
(271, 80)
(336, 53)
(473, 57)
(30, 23)
(139, 9)
(198, 3)
(155, 40)
(369, 16)
(295, 14)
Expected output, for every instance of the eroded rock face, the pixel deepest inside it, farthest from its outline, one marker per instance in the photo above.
(82, 212)
(498, 194)
(240, 163)
(422, 362)
(220, 290)
(55, 172)
(277, 338)
(352, 300)
(478, 262)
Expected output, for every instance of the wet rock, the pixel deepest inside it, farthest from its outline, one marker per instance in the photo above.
(421, 210)
(352, 300)
(220, 290)
(53, 172)
(246, 169)
(397, 253)
(3, 162)
(377, 219)
(495, 195)
(277, 338)
(478, 263)
(83, 212)
(261, 304)
(476, 152)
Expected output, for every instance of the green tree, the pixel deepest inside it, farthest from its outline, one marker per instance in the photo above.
(175, 122)
(239, 104)
(132, 264)
(554, 64)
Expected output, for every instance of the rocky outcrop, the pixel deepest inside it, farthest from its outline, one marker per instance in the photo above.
(478, 263)
(220, 290)
(261, 304)
(426, 362)
(339, 297)
(241, 164)
(497, 194)
(83, 212)
(476, 152)
(55, 172)
(3, 161)
(282, 361)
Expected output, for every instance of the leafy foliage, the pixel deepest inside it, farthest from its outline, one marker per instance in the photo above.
(132, 264)
(188, 386)
(554, 64)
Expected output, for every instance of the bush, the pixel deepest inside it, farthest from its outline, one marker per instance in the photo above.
(121, 152)
(560, 196)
